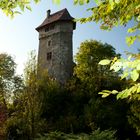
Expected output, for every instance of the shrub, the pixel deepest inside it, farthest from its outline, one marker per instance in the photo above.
(95, 135)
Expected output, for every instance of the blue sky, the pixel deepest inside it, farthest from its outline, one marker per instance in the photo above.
(18, 36)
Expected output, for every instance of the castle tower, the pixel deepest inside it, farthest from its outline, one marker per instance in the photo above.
(55, 45)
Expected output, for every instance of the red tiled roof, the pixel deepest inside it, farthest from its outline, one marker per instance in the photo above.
(62, 15)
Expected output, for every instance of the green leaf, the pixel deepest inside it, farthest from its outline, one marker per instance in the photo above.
(107, 91)
(96, 1)
(138, 18)
(9, 4)
(116, 66)
(130, 40)
(114, 92)
(29, 8)
(124, 75)
(81, 2)
(119, 95)
(105, 95)
(138, 67)
(21, 7)
(123, 94)
(17, 12)
(105, 62)
(117, 1)
(131, 30)
(129, 58)
(56, 2)
(104, 27)
(111, 3)
(138, 89)
(36, 1)
(75, 1)
(134, 75)
(133, 89)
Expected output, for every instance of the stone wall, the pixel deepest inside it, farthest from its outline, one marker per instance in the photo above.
(61, 64)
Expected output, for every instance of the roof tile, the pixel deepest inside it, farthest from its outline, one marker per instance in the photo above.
(62, 15)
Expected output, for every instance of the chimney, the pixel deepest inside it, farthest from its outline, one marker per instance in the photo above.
(48, 13)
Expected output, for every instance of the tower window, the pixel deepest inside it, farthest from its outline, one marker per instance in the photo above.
(49, 55)
(47, 29)
(51, 27)
(49, 43)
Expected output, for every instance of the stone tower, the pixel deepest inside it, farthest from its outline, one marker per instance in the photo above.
(55, 45)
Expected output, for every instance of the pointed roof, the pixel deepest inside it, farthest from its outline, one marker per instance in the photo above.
(62, 15)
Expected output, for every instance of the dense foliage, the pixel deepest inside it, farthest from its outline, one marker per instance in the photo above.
(87, 69)
(96, 135)
(41, 106)
(121, 12)
(9, 86)
(37, 105)
(111, 13)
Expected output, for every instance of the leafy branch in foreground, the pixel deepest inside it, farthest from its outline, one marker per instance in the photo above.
(131, 70)
(10, 7)
(114, 13)
(111, 13)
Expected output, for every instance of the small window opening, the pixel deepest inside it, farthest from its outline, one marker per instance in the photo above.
(49, 43)
(49, 55)
(51, 27)
(47, 29)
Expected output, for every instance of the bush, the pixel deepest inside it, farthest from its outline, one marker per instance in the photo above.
(96, 135)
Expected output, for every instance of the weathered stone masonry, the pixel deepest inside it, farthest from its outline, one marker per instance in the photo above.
(56, 45)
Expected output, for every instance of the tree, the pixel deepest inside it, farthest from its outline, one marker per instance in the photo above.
(9, 7)
(94, 76)
(24, 120)
(31, 96)
(7, 74)
(55, 105)
(113, 13)
(90, 78)
(10, 84)
(31, 90)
